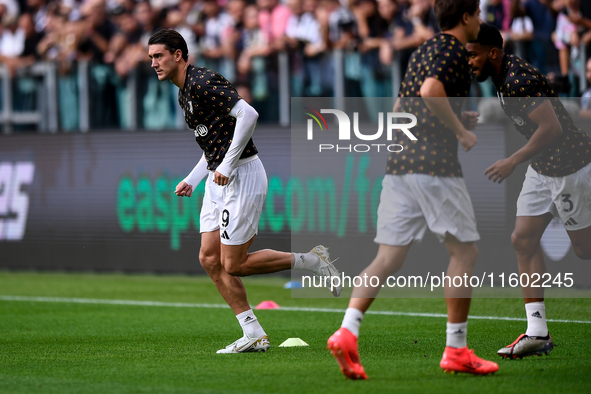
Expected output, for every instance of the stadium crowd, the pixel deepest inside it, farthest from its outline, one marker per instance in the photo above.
(241, 39)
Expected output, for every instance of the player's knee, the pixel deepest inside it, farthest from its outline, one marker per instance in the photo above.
(234, 267)
(466, 251)
(522, 243)
(209, 260)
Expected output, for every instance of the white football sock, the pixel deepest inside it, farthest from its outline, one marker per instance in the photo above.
(352, 320)
(536, 319)
(456, 335)
(305, 261)
(250, 325)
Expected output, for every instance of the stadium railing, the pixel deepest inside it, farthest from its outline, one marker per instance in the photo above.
(92, 96)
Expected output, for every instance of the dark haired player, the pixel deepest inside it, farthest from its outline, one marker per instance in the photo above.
(235, 188)
(557, 182)
(424, 188)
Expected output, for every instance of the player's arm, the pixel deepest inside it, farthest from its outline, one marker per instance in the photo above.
(432, 92)
(186, 186)
(548, 130)
(246, 120)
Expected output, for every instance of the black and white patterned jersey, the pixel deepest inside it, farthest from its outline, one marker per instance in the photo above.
(521, 88)
(207, 99)
(436, 150)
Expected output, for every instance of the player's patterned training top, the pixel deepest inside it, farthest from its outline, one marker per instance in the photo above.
(436, 152)
(207, 99)
(521, 88)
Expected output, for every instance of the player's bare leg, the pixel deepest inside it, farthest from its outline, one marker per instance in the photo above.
(457, 357)
(581, 240)
(462, 257)
(530, 259)
(237, 261)
(343, 343)
(388, 260)
(230, 287)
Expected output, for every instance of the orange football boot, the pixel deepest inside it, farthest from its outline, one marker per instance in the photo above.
(343, 346)
(464, 360)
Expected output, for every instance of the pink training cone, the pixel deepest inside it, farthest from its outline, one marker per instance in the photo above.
(267, 305)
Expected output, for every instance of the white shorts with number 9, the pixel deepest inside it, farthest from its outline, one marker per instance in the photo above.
(235, 209)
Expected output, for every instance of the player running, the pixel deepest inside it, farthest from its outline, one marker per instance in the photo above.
(235, 188)
(424, 188)
(557, 182)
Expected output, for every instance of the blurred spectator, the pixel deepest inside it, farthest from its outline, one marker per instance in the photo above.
(98, 30)
(177, 18)
(216, 23)
(586, 21)
(60, 39)
(231, 35)
(32, 38)
(273, 19)
(415, 25)
(586, 97)
(372, 29)
(9, 8)
(303, 39)
(149, 20)
(388, 10)
(12, 42)
(303, 29)
(339, 32)
(125, 48)
(522, 28)
(566, 35)
(38, 8)
(494, 14)
(579, 13)
(250, 48)
(543, 18)
(337, 24)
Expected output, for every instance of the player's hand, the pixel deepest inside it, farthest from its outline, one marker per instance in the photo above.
(500, 170)
(183, 189)
(468, 140)
(220, 179)
(470, 119)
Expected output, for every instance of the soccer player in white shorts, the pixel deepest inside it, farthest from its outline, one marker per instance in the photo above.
(424, 188)
(557, 182)
(235, 189)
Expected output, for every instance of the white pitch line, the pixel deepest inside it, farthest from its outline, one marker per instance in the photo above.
(283, 308)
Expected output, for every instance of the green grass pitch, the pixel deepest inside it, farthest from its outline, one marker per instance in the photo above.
(65, 347)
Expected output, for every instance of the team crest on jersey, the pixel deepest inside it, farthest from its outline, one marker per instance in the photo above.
(201, 130)
(517, 120)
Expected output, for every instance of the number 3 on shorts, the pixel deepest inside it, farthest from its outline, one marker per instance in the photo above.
(566, 199)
